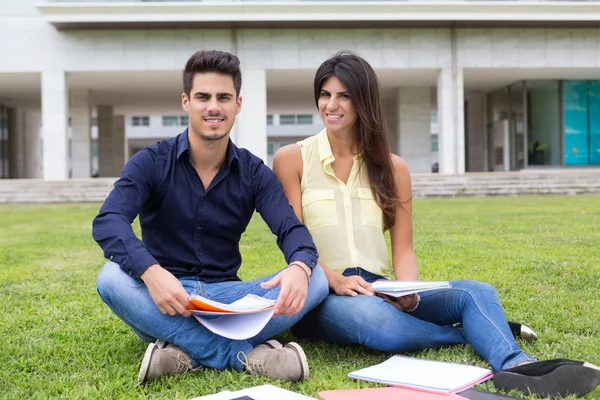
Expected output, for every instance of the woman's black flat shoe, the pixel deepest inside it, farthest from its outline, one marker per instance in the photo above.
(518, 330)
(560, 377)
(522, 331)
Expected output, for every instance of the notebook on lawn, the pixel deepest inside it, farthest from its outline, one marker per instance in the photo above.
(428, 375)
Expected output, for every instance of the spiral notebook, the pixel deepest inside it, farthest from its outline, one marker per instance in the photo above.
(428, 375)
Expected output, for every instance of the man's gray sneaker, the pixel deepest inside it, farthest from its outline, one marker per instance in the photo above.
(163, 359)
(287, 362)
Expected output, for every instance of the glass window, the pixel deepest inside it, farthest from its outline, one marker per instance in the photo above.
(287, 119)
(305, 119)
(183, 120)
(544, 122)
(270, 149)
(269, 119)
(140, 121)
(170, 120)
(434, 146)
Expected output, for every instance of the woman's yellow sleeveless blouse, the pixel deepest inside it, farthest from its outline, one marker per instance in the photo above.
(344, 219)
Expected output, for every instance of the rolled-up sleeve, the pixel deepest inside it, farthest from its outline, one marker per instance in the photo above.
(112, 228)
(293, 238)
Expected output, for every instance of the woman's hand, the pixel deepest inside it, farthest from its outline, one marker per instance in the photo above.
(351, 286)
(401, 303)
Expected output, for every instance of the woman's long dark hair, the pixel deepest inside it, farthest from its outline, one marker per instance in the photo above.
(360, 80)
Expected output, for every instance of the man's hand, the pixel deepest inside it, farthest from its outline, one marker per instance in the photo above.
(167, 292)
(402, 303)
(351, 286)
(294, 288)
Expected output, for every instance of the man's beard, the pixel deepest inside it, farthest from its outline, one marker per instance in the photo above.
(212, 137)
(208, 135)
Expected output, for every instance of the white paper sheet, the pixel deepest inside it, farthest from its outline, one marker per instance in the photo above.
(247, 304)
(403, 288)
(269, 392)
(264, 392)
(237, 326)
(225, 395)
(431, 375)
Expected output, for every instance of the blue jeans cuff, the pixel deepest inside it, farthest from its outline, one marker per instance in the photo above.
(522, 358)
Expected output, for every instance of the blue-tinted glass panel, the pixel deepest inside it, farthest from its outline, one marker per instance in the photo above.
(575, 106)
(594, 100)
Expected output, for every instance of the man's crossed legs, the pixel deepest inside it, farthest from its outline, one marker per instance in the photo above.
(182, 343)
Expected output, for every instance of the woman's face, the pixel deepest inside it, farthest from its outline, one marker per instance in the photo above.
(336, 108)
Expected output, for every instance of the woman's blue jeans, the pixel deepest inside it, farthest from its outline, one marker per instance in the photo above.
(130, 300)
(372, 322)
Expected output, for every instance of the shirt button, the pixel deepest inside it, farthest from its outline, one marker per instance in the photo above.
(199, 254)
(111, 257)
(130, 273)
(199, 228)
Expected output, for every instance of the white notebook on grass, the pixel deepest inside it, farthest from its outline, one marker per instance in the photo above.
(429, 375)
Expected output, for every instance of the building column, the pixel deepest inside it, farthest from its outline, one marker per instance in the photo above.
(250, 130)
(30, 129)
(119, 143)
(105, 141)
(81, 134)
(451, 137)
(54, 126)
(16, 145)
(414, 127)
(475, 133)
(390, 112)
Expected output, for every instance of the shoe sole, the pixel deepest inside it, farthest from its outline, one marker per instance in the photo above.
(302, 357)
(146, 362)
(563, 381)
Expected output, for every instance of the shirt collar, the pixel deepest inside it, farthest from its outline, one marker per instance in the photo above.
(183, 147)
(183, 144)
(324, 146)
(233, 156)
(325, 153)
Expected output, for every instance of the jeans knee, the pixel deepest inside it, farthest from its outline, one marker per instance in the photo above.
(319, 284)
(477, 288)
(107, 279)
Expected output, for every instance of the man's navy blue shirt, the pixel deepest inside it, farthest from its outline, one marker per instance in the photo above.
(189, 230)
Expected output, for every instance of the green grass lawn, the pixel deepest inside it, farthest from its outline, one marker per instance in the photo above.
(57, 338)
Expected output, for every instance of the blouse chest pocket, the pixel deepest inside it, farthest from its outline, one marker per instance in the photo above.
(369, 209)
(319, 208)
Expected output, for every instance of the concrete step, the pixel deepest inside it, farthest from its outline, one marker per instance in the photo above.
(424, 185)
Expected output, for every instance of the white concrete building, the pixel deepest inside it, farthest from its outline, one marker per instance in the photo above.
(473, 85)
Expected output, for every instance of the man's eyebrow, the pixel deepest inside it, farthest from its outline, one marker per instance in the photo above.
(208, 94)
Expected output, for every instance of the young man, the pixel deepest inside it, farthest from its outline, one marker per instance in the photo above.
(195, 195)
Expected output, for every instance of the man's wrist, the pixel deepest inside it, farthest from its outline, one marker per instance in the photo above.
(302, 266)
(413, 308)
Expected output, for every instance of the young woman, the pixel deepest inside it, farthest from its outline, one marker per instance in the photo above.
(348, 189)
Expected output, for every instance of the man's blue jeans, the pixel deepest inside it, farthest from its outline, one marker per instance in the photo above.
(376, 324)
(130, 300)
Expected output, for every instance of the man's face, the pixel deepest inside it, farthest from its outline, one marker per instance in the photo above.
(212, 105)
